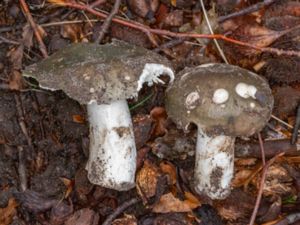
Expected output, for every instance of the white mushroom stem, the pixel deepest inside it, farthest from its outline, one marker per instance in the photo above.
(112, 159)
(214, 164)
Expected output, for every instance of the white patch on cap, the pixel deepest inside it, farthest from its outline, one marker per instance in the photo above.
(207, 65)
(47, 88)
(151, 72)
(92, 90)
(252, 104)
(191, 99)
(245, 90)
(86, 76)
(220, 96)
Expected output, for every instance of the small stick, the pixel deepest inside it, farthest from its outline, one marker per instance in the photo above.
(120, 209)
(262, 149)
(261, 187)
(33, 25)
(141, 27)
(212, 32)
(296, 127)
(21, 119)
(97, 2)
(8, 41)
(169, 44)
(107, 21)
(247, 10)
(22, 169)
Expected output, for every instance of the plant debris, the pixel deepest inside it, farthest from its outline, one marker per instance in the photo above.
(44, 135)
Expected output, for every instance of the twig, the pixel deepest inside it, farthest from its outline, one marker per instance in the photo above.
(5, 40)
(120, 209)
(35, 28)
(262, 149)
(212, 32)
(281, 121)
(261, 186)
(21, 119)
(296, 126)
(108, 20)
(290, 219)
(247, 10)
(169, 44)
(141, 27)
(22, 169)
(97, 2)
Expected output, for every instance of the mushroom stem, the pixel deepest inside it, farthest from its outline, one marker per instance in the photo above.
(214, 164)
(112, 159)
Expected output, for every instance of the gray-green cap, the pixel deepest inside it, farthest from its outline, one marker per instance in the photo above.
(89, 72)
(220, 99)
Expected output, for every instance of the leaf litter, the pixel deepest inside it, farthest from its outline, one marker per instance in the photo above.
(58, 190)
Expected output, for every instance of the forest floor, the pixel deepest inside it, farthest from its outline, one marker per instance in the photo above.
(44, 135)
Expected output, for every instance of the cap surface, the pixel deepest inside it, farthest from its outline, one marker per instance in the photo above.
(104, 73)
(192, 99)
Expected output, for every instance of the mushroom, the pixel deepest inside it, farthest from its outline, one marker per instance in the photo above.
(225, 102)
(103, 77)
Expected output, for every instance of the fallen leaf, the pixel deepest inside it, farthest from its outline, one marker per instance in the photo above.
(126, 220)
(170, 169)
(78, 119)
(16, 57)
(69, 185)
(173, 3)
(144, 8)
(15, 80)
(73, 32)
(146, 180)
(83, 217)
(191, 200)
(142, 125)
(27, 36)
(159, 116)
(174, 19)
(35, 202)
(169, 203)
(7, 213)
(241, 177)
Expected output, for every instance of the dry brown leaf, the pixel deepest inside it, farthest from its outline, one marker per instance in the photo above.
(146, 180)
(170, 169)
(15, 57)
(69, 185)
(241, 177)
(78, 119)
(144, 8)
(278, 181)
(7, 213)
(173, 3)
(73, 32)
(159, 116)
(191, 200)
(27, 36)
(15, 80)
(83, 217)
(169, 203)
(126, 220)
(245, 162)
(174, 18)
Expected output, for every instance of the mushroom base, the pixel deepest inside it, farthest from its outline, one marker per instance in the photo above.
(214, 164)
(112, 159)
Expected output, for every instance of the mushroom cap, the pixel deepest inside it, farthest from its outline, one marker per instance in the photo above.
(90, 72)
(191, 100)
